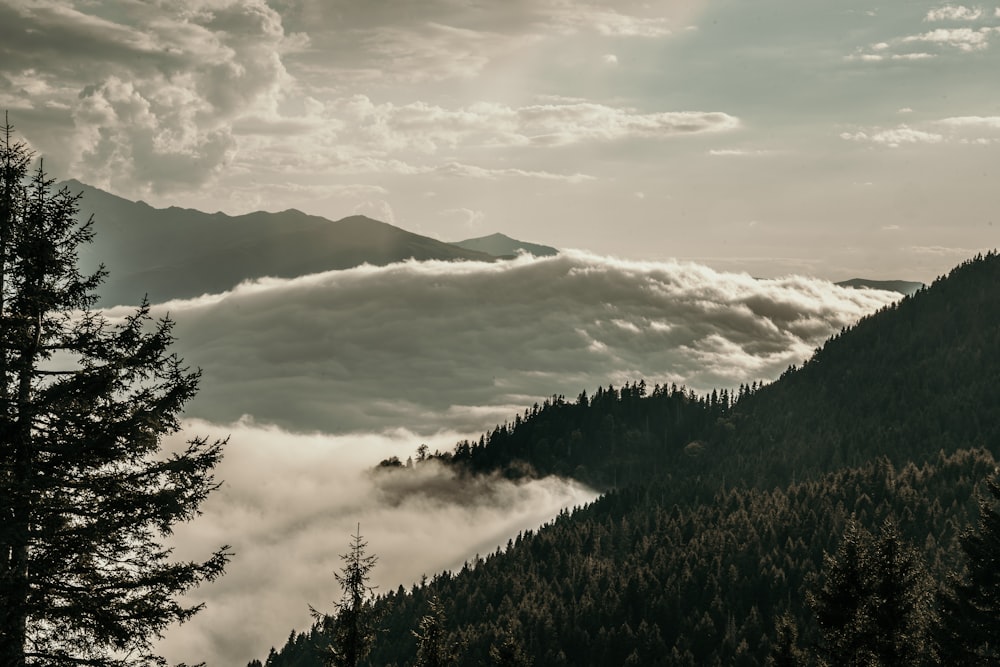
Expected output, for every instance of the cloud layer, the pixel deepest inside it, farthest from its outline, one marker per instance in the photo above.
(288, 507)
(317, 378)
(461, 346)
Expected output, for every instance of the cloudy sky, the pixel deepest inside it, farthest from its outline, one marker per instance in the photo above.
(828, 138)
(765, 138)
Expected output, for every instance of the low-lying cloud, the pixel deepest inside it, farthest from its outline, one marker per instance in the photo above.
(288, 507)
(460, 346)
(336, 371)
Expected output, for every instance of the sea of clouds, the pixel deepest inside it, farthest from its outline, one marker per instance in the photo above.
(318, 378)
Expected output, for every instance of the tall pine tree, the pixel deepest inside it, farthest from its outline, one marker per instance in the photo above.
(86, 494)
(351, 630)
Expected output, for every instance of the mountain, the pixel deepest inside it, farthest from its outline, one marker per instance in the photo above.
(906, 287)
(720, 509)
(499, 245)
(177, 253)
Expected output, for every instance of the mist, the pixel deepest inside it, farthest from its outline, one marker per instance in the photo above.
(318, 378)
(288, 506)
(463, 345)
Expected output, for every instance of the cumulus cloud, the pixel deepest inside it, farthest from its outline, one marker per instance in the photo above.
(296, 499)
(461, 346)
(963, 39)
(152, 93)
(954, 13)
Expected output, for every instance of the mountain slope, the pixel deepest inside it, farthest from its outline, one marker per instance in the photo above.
(180, 253)
(500, 245)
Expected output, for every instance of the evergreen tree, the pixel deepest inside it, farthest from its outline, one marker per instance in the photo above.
(874, 607)
(785, 651)
(433, 647)
(509, 653)
(86, 494)
(970, 611)
(351, 630)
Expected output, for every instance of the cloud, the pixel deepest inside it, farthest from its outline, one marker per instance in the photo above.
(954, 13)
(895, 137)
(296, 499)
(963, 39)
(398, 42)
(609, 59)
(429, 346)
(973, 122)
(151, 91)
(955, 129)
(427, 128)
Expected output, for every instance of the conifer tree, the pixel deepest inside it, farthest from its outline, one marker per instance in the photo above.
(86, 494)
(875, 605)
(969, 631)
(351, 630)
(433, 648)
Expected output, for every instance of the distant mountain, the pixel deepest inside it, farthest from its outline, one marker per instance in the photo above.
(499, 245)
(181, 253)
(906, 287)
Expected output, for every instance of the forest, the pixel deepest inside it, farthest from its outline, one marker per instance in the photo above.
(844, 514)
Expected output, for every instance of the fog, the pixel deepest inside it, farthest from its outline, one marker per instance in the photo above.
(290, 503)
(318, 378)
(462, 346)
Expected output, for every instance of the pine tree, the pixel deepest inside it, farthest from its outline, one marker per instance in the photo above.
(86, 494)
(351, 630)
(875, 605)
(433, 647)
(969, 631)
(509, 653)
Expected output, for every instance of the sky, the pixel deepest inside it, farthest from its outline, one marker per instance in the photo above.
(835, 139)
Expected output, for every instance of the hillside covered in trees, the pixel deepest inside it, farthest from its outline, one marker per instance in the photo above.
(731, 522)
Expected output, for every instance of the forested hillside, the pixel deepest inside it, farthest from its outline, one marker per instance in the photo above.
(720, 508)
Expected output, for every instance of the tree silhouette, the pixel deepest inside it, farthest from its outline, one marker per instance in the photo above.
(351, 630)
(86, 494)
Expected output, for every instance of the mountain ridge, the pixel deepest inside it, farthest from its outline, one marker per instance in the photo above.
(179, 252)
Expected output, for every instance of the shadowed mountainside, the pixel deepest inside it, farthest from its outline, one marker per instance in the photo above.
(175, 253)
(500, 245)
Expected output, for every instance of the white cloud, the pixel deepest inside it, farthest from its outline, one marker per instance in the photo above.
(415, 345)
(154, 93)
(913, 56)
(954, 13)
(609, 59)
(973, 122)
(895, 137)
(963, 39)
(295, 499)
